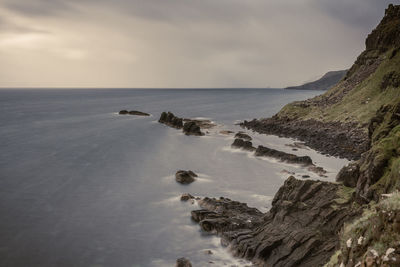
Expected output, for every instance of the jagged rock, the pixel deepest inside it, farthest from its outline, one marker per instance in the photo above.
(299, 230)
(191, 128)
(348, 175)
(183, 262)
(168, 118)
(391, 79)
(186, 197)
(263, 151)
(185, 177)
(243, 136)
(240, 143)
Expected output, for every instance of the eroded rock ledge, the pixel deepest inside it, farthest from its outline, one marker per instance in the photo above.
(345, 140)
(300, 229)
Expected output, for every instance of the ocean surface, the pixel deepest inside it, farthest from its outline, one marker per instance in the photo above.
(81, 185)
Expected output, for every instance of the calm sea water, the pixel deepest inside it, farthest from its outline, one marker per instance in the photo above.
(83, 186)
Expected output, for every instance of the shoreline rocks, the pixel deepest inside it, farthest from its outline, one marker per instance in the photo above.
(133, 112)
(185, 177)
(299, 230)
(240, 143)
(345, 140)
(263, 151)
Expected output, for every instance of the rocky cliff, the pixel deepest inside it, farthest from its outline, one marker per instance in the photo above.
(310, 221)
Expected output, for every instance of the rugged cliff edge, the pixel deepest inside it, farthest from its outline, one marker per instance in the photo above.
(310, 221)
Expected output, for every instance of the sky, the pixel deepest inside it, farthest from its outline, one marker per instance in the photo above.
(180, 43)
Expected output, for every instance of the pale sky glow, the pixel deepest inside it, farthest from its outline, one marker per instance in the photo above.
(179, 43)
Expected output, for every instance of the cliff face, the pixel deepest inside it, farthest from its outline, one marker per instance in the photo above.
(359, 118)
(324, 83)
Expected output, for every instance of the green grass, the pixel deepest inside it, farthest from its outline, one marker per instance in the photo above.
(359, 105)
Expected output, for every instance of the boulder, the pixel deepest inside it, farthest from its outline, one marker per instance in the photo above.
(240, 143)
(168, 118)
(123, 112)
(183, 262)
(348, 175)
(185, 177)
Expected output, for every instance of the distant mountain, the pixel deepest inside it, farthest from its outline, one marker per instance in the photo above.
(324, 83)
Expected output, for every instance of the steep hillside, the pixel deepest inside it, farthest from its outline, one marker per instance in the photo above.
(324, 83)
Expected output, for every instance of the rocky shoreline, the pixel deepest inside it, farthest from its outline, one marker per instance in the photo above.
(301, 228)
(346, 140)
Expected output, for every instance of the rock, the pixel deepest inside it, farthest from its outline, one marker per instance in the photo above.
(185, 177)
(183, 262)
(168, 118)
(300, 229)
(305, 176)
(348, 175)
(262, 151)
(186, 197)
(225, 132)
(191, 128)
(138, 113)
(246, 145)
(347, 140)
(123, 112)
(243, 136)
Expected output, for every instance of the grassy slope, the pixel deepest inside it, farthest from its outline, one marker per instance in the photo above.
(359, 105)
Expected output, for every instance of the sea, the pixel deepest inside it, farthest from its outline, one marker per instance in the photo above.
(81, 185)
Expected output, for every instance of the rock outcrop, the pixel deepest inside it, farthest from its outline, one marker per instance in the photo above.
(185, 177)
(263, 151)
(300, 229)
(133, 112)
(188, 126)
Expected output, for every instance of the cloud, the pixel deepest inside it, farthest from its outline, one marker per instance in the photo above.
(180, 43)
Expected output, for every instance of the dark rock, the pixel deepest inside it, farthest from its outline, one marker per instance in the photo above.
(262, 151)
(243, 136)
(246, 145)
(348, 175)
(333, 138)
(318, 170)
(123, 112)
(138, 113)
(186, 197)
(191, 128)
(168, 118)
(391, 79)
(183, 262)
(299, 230)
(185, 177)
(305, 176)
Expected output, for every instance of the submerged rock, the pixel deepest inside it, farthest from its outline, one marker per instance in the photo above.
(123, 112)
(183, 262)
(185, 177)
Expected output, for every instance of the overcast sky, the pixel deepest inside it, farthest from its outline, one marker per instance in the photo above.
(180, 43)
